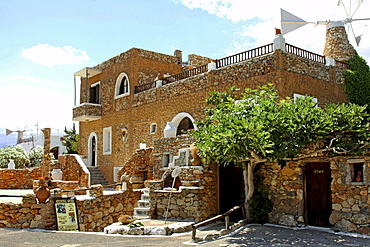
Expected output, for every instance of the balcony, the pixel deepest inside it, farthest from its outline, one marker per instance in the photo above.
(87, 112)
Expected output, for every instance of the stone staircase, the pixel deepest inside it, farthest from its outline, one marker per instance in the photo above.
(96, 177)
(143, 209)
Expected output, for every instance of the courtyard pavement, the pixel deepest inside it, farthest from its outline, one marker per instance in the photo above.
(250, 235)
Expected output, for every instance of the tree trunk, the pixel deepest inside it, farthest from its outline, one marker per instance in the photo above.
(248, 187)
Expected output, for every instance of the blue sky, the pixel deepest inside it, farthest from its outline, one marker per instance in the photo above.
(43, 42)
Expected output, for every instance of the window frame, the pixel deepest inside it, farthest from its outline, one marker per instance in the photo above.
(119, 80)
(95, 85)
(107, 140)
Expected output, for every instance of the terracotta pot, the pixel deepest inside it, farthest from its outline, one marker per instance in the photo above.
(42, 194)
(137, 182)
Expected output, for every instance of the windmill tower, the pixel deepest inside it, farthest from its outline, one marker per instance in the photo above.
(337, 45)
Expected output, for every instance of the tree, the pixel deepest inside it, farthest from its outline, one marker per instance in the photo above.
(21, 157)
(70, 140)
(357, 81)
(256, 126)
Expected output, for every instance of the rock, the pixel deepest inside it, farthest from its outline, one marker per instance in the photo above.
(345, 226)
(287, 171)
(210, 237)
(364, 230)
(288, 220)
(335, 217)
(360, 219)
(156, 230)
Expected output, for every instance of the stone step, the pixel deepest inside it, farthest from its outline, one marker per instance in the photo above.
(96, 177)
(145, 197)
(143, 204)
(141, 212)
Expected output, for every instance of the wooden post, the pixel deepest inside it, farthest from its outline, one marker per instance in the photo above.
(193, 234)
(227, 222)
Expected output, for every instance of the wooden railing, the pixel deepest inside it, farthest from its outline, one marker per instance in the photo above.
(305, 54)
(218, 217)
(144, 87)
(256, 52)
(185, 74)
(177, 77)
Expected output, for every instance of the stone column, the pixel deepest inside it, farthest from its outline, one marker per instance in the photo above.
(45, 163)
(337, 45)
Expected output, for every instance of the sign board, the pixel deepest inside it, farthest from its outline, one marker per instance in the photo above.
(66, 214)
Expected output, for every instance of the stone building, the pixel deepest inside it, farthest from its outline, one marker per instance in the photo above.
(146, 97)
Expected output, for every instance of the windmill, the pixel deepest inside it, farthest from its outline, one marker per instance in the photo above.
(290, 22)
(20, 134)
(20, 137)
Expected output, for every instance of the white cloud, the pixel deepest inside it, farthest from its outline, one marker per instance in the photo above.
(48, 55)
(260, 18)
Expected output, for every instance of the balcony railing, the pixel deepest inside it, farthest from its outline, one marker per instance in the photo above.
(87, 112)
(177, 77)
(240, 57)
(305, 54)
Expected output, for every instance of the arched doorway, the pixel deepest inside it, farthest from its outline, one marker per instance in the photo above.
(55, 152)
(184, 125)
(183, 122)
(92, 150)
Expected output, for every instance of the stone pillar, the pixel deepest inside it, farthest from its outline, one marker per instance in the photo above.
(45, 163)
(337, 45)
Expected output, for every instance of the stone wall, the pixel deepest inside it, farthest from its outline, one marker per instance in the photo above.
(141, 161)
(196, 199)
(196, 60)
(19, 178)
(350, 200)
(73, 169)
(93, 213)
(97, 213)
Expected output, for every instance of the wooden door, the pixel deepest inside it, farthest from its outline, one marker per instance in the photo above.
(318, 180)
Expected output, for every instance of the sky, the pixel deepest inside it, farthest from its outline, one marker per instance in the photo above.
(43, 42)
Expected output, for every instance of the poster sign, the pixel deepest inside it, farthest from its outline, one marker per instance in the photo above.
(66, 214)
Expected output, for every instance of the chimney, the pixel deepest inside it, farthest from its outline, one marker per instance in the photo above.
(337, 45)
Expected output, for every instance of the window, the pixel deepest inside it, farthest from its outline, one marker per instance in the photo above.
(107, 140)
(122, 86)
(153, 128)
(166, 159)
(357, 172)
(95, 93)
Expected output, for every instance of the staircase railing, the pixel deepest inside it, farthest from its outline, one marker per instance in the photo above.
(218, 217)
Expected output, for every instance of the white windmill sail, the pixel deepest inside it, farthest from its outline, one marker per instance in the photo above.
(290, 22)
